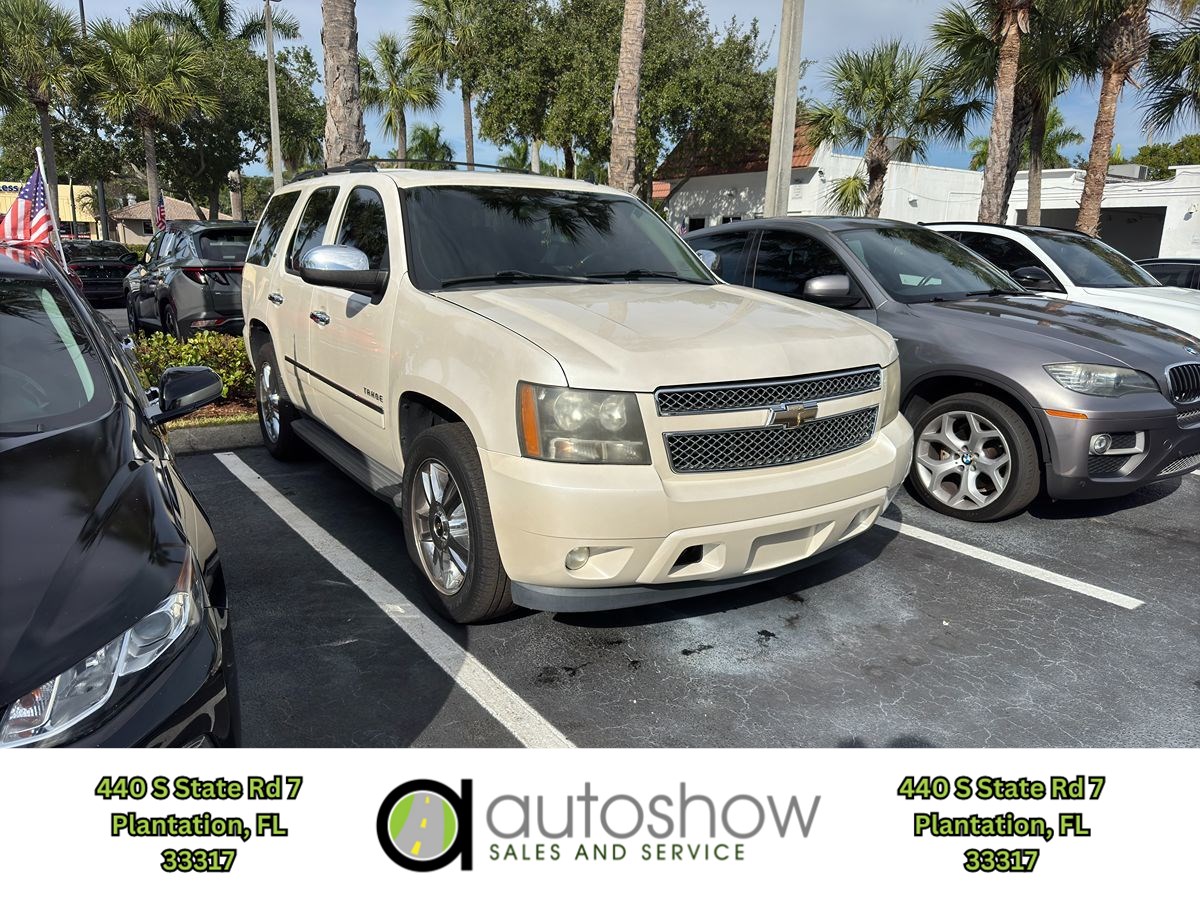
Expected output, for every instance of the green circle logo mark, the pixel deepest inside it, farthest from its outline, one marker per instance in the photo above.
(423, 825)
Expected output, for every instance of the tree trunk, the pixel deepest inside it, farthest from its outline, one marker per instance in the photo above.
(51, 174)
(152, 187)
(1037, 143)
(876, 161)
(992, 202)
(623, 156)
(236, 209)
(214, 202)
(535, 157)
(1022, 119)
(345, 139)
(468, 128)
(568, 161)
(1111, 83)
(401, 134)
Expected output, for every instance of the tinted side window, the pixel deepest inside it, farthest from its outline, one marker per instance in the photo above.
(1172, 275)
(152, 248)
(1001, 252)
(364, 226)
(786, 261)
(274, 217)
(167, 245)
(310, 230)
(731, 253)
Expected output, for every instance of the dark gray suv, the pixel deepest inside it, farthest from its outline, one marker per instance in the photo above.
(1007, 393)
(190, 279)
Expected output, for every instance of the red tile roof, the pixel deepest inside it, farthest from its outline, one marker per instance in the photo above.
(685, 162)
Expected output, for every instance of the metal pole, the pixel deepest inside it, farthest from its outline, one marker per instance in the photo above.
(74, 214)
(276, 162)
(82, 19)
(783, 118)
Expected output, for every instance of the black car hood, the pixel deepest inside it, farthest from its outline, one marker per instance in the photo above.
(88, 545)
(1057, 326)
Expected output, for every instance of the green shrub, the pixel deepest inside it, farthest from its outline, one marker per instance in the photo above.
(223, 353)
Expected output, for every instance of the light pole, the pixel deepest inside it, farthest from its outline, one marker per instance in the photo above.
(276, 162)
(783, 119)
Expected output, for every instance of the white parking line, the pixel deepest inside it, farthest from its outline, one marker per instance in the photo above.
(524, 722)
(1013, 565)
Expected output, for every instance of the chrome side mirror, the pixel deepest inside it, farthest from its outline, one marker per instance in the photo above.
(712, 259)
(338, 266)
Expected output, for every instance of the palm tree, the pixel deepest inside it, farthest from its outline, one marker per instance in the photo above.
(516, 156)
(146, 74)
(1011, 22)
(219, 20)
(1057, 138)
(622, 165)
(1123, 29)
(443, 36)
(885, 103)
(1171, 94)
(345, 137)
(38, 44)
(427, 143)
(392, 83)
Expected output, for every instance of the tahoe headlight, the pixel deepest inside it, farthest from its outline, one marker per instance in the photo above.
(891, 394)
(568, 425)
(49, 714)
(1102, 381)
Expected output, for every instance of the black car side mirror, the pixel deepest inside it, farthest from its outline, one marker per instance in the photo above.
(183, 390)
(343, 267)
(835, 291)
(129, 259)
(1035, 278)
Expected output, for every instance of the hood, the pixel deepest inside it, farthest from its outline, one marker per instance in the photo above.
(1069, 332)
(642, 336)
(1177, 307)
(87, 547)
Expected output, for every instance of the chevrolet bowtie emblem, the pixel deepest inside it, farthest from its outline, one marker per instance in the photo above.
(793, 415)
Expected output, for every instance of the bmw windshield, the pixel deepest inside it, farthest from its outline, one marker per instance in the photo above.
(916, 265)
(463, 236)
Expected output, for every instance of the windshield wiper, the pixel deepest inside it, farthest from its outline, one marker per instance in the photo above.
(990, 292)
(635, 274)
(517, 275)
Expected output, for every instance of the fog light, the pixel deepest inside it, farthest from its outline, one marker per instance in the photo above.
(578, 558)
(1101, 444)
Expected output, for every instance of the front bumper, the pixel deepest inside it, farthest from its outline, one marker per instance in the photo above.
(1169, 451)
(192, 702)
(655, 537)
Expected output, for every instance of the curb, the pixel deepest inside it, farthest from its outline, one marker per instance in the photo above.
(214, 438)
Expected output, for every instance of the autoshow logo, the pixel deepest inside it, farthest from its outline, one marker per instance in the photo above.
(423, 825)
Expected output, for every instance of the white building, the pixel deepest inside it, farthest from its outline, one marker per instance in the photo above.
(1140, 218)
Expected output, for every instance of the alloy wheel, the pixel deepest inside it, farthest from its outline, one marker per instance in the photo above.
(442, 532)
(963, 460)
(268, 401)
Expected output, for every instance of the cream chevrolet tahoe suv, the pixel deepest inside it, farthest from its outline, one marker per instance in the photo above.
(568, 410)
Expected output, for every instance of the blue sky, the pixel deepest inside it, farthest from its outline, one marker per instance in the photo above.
(830, 26)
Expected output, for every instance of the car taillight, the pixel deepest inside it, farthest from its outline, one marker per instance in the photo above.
(205, 274)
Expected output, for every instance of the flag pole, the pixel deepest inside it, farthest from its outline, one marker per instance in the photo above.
(50, 207)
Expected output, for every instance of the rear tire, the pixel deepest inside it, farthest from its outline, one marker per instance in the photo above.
(974, 458)
(135, 323)
(170, 322)
(275, 412)
(448, 523)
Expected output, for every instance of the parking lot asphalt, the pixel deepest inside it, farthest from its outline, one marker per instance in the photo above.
(902, 640)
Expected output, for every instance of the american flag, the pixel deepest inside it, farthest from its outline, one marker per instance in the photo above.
(28, 220)
(160, 214)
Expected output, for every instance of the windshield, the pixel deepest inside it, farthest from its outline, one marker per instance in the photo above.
(94, 250)
(1092, 263)
(460, 235)
(50, 377)
(226, 246)
(916, 265)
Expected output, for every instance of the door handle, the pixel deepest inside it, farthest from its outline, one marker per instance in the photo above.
(321, 318)
(277, 299)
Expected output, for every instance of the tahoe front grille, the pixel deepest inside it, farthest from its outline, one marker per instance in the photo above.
(773, 445)
(716, 398)
(1185, 383)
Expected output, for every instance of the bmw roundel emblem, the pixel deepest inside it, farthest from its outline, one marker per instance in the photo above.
(1192, 350)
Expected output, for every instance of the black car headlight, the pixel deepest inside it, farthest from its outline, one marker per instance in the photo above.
(61, 707)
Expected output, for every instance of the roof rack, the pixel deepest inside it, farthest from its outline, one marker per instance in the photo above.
(1010, 227)
(378, 163)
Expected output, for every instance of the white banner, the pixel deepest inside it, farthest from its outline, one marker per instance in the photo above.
(511, 823)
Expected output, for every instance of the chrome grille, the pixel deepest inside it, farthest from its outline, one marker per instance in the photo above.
(1189, 419)
(714, 398)
(1182, 465)
(1185, 382)
(757, 448)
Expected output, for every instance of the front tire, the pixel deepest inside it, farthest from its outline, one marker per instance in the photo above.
(449, 526)
(974, 458)
(275, 412)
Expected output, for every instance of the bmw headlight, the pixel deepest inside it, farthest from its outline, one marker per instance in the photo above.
(1102, 381)
(49, 714)
(568, 425)
(891, 394)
